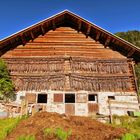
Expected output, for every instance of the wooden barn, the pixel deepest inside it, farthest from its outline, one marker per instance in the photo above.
(69, 65)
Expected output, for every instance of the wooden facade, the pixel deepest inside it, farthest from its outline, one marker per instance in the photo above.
(65, 53)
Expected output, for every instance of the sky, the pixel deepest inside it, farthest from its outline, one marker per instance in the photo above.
(112, 15)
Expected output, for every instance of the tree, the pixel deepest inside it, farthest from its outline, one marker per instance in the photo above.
(6, 85)
(130, 36)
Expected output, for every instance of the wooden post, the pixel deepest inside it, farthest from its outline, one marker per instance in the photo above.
(137, 90)
(26, 107)
(110, 113)
(23, 107)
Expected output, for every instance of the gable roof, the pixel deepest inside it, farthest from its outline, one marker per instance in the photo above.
(67, 18)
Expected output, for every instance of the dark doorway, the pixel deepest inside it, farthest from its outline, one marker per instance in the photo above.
(42, 98)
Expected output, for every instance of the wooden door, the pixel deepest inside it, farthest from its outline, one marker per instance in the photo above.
(70, 109)
(93, 108)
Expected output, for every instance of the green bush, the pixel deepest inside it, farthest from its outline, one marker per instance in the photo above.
(7, 125)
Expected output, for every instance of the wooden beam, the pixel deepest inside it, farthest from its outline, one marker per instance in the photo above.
(131, 52)
(113, 40)
(23, 39)
(32, 35)
(53, 24)
(79, 25)
(88, 31)
(97, 36)
(11, 43)
(107, 41)
(135, 80)
(42, 29)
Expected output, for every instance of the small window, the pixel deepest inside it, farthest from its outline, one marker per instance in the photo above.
(69, 98)
(58, 98)
(42, 98)
(30, 97)
(81, 97)
(22, 97)
(92, 97)
(111, 97)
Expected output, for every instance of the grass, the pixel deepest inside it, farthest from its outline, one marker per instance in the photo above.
(59, 133)
(131, 124)
(129, 136)
(49, 132)
(28, 137)
(7, 125)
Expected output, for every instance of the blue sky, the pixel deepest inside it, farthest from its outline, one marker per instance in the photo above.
(112, 15)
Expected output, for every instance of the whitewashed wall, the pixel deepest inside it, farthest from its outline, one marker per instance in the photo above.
(123, 102)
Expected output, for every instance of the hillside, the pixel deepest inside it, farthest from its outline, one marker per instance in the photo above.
(130, 36)
(134, 38)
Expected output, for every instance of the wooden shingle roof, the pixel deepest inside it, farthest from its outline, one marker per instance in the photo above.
(67, 18)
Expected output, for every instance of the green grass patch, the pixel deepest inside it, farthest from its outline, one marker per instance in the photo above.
(58, 133)
(61, 134)
(28, 137)
(132, 124)
(49, 132)
(7, 125)
(129, 136)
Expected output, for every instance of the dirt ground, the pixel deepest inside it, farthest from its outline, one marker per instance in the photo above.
(83, 128)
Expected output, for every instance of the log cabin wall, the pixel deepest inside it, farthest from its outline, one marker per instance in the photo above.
(65, 60)
(41, 64)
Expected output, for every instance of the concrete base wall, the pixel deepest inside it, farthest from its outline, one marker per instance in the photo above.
(122, 103)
